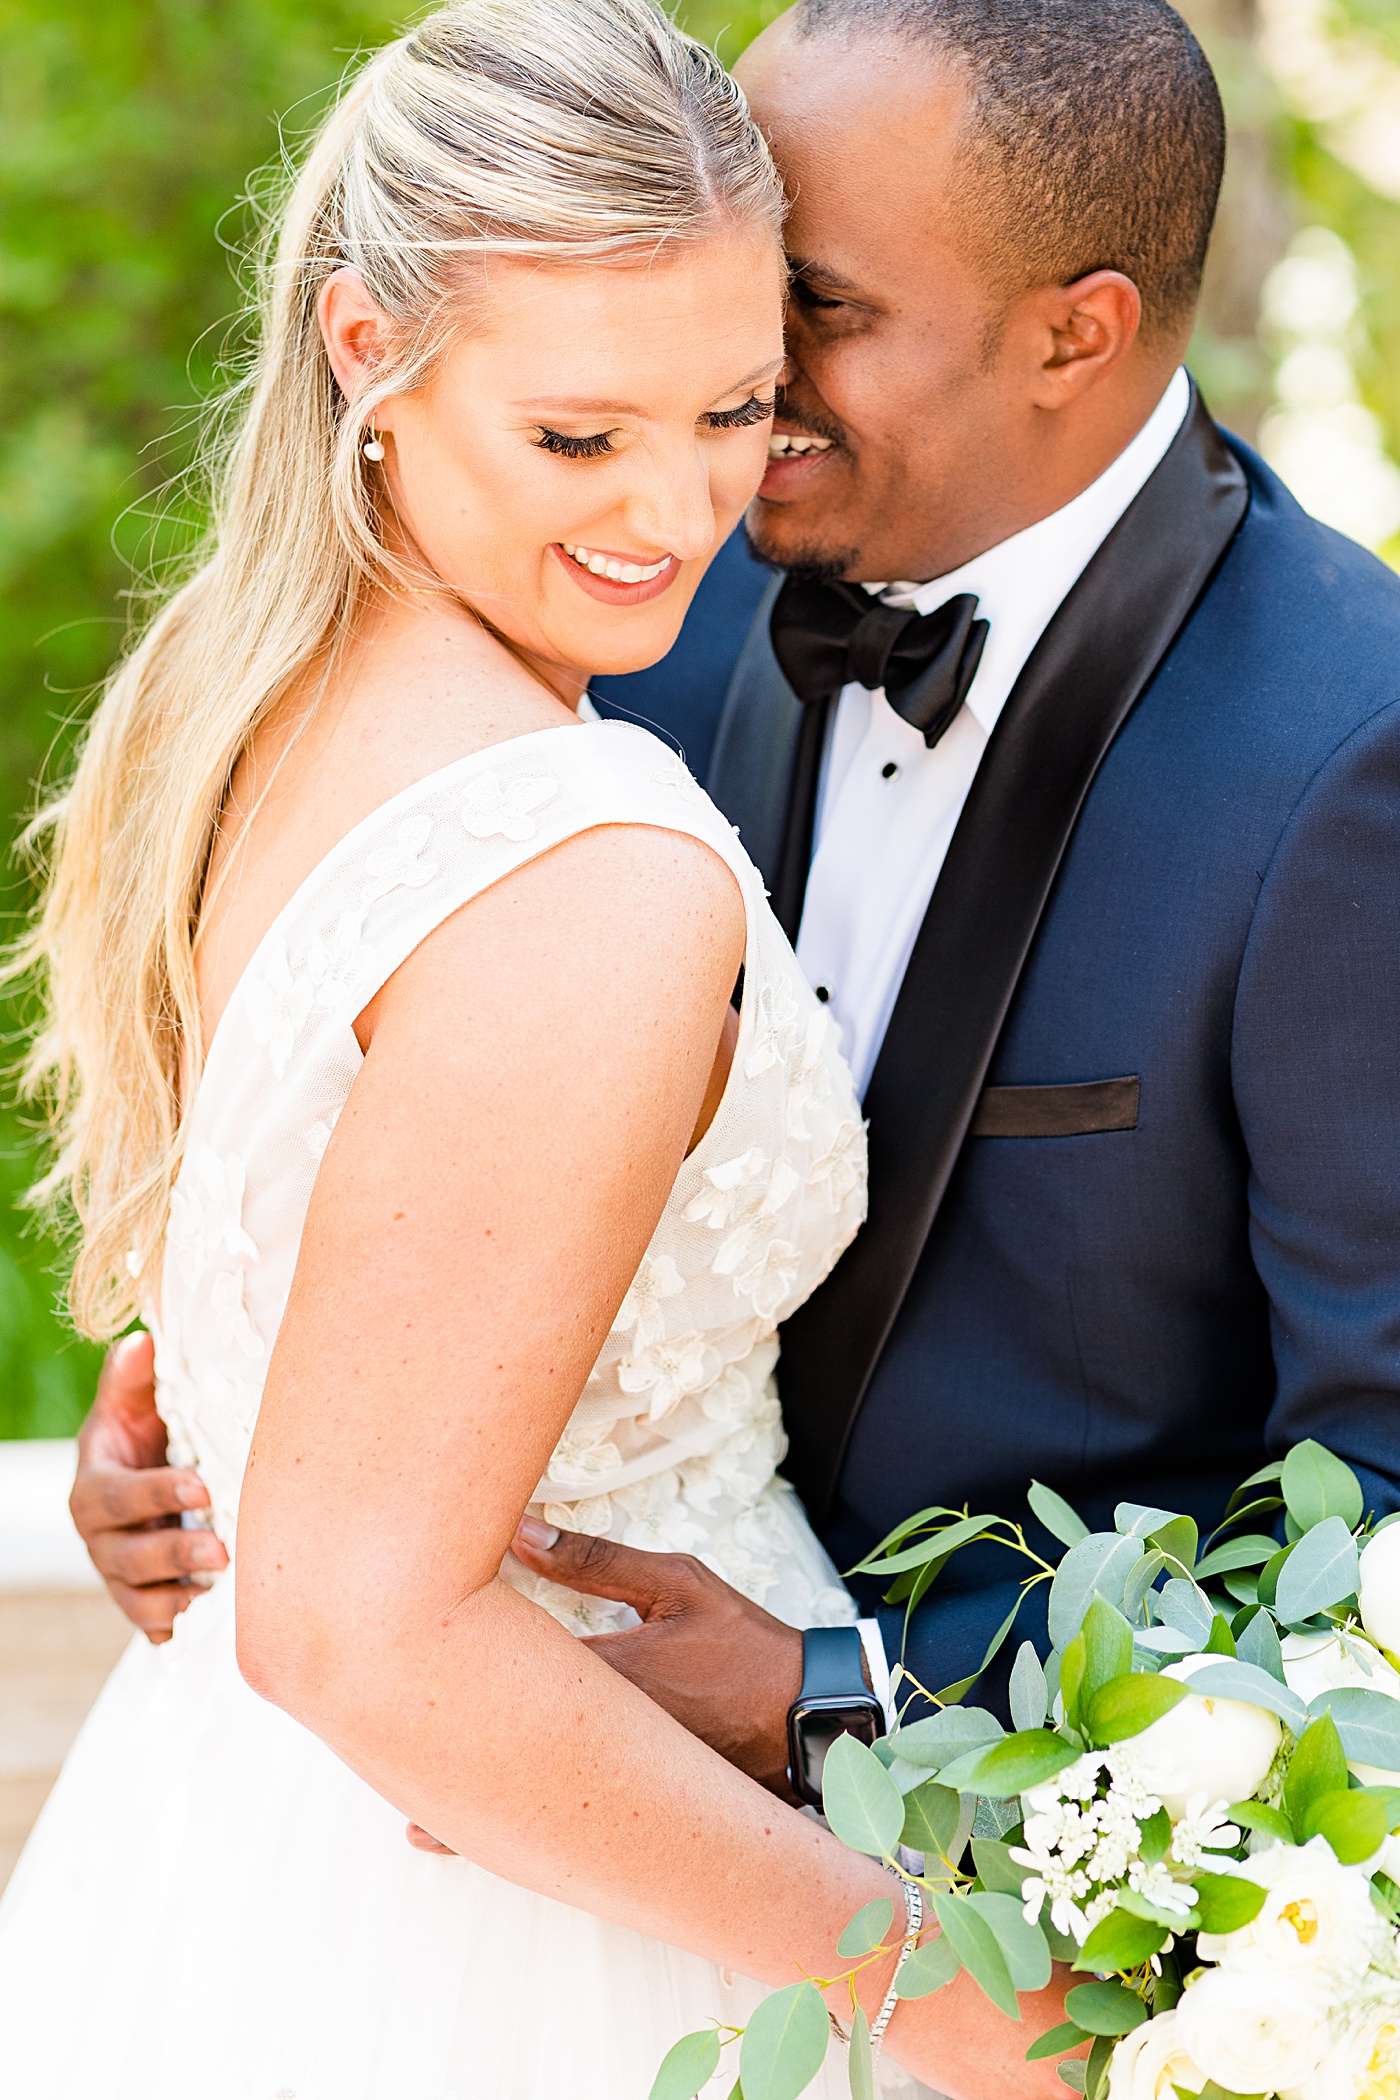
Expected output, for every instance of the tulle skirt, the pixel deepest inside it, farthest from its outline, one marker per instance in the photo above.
(213, 1907)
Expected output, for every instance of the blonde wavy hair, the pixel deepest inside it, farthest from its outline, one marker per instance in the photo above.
(579, 131)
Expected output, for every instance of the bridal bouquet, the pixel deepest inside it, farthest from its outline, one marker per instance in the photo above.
(1197, 1808)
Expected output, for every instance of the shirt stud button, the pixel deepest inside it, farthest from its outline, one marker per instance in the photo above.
(888, 772)
(823, 994)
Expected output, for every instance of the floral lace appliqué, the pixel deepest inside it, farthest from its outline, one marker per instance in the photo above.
(840, 1169)
(584, 1456)
(777, 1030)
(491, 811)
(334, 967)
(640, 1314)
(206, 1212)
(667, 1371)
(400, 866)
(235, 1329)
(278, 1004)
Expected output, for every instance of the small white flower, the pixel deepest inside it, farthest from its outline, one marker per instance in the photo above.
(1204, 1828)
(583, 1456)
(728, 1189)
(492, 811)
(765, 1274)
(840, 1169)
(776, 1030)
(235, 1329)
(1252, 2033)
(1157, 1885)
(809, 1080)
(335, 967)
(658, 1520)
(640, 1313)
(278, 1004)
(400, 866)
(668, 1370)
(206, 1212)
(592, 1516)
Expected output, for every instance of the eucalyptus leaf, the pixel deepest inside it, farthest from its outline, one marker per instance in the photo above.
(978, 1949)
(1354, 1824)
(1316, 1486)
(1321, 1570)
(1072, 2074)
(1226, 1901)
(1010, 1766)
(1166, 1640)
(1241, 1495)
(928, 1968)
(1098, 1566)
(1105, 2008)
(996, 1869)
(1029, 1699)
(1056, 1515)
(1139, 1520)
(931, 1815)
(1177, 1542)
(1259, 1644)
(867, 1928)
(860, 1801)
(1056, 2041)
(1181, 1604)
(784, 2043)
(690, 2064)
(1108, 1645)
(937, 1546)
(1128, 1704)
(1221, 1641)
(1140, 1582)
(1023, 1945)
(935, 1742)
(1318, 1766)
(922, 1520)
(1217, 1677)
(1367, 1722)
(964, 1685)
(1120, 1941)
(1250, 1550)
(861, 2059)
(1269, 1575)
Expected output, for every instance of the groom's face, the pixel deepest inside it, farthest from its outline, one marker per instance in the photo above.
(907, 365)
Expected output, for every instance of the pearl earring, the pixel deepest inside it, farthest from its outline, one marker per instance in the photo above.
(373, 447)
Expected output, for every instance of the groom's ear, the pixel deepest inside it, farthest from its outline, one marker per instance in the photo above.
(1076, 333)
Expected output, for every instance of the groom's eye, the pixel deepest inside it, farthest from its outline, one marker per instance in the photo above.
(566, 447)
(806, 295)
(752, 411)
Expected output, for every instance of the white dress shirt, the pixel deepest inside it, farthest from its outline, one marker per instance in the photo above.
(887, 804)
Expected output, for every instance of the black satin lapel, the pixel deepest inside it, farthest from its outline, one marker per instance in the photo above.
(1077, 689)
(756, 747)
(795, 861)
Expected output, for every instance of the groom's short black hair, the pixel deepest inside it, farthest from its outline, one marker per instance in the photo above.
(1095, 127)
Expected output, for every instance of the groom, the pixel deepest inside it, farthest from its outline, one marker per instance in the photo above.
(1091, 845)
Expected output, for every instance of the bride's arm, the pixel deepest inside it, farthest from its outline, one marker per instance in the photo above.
(532, 1078)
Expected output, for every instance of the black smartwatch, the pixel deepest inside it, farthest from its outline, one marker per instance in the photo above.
(834, 1700)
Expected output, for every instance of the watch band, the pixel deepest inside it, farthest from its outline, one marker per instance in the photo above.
(832, 1663)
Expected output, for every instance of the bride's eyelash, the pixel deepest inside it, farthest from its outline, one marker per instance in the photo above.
(752, 411)
(574, 447)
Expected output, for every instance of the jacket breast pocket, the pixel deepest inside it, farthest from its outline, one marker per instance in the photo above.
(1079, 1110)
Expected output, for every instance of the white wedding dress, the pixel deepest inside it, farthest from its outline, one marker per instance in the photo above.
(213, 1906)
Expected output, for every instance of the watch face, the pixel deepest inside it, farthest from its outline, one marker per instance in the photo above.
(815, 1727)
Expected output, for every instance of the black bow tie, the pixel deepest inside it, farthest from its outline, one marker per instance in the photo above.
(828, 635)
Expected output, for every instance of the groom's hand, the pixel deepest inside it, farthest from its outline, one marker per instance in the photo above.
(127, 1502)
(721, 1666)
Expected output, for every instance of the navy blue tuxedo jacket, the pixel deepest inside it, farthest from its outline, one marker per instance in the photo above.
(1148, 1313)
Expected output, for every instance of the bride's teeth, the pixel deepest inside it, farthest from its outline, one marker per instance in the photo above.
(610, 566)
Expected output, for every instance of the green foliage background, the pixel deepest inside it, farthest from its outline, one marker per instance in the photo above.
(128, 133)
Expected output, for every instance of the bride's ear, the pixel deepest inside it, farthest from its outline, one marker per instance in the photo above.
(354, 328)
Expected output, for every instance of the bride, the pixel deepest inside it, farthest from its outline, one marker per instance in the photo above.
(391, 1024)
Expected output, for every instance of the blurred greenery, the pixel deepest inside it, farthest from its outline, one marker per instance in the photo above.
(128, 134)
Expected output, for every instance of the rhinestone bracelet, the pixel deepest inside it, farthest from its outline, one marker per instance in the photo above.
(914, 1925)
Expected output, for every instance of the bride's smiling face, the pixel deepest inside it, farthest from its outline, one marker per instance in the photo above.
(586, 447)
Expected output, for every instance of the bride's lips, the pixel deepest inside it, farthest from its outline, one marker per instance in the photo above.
(612, 590)
(795, 459)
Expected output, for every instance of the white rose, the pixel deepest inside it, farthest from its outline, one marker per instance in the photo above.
(1250, 2032)
(1318, 1926)
(1217, 1747)
(1379, 1593)
(1318, 1662)
(1363, 2064)
(1150, 2063)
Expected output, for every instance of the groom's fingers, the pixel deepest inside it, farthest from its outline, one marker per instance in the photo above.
(719, 1664)
(651, 1583)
